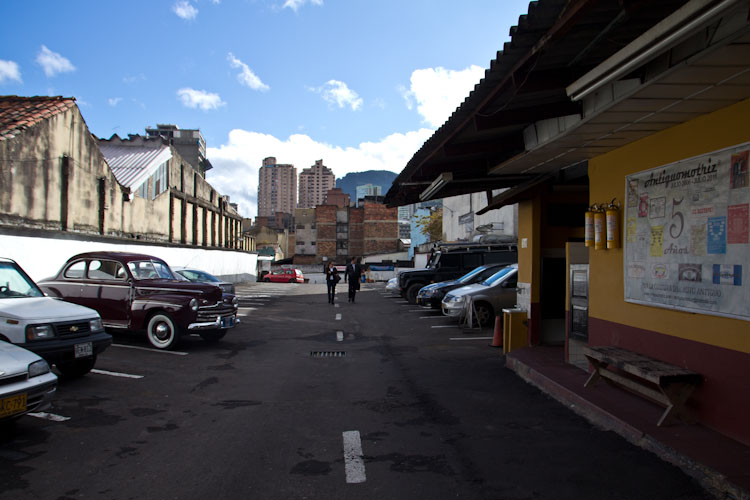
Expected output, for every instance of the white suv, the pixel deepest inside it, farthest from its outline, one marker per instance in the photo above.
(64, 334)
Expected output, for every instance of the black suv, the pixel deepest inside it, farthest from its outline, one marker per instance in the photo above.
(449, 263)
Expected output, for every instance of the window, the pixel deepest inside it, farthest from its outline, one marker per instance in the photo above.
(106, 270)
(300, 243)
(76, 270)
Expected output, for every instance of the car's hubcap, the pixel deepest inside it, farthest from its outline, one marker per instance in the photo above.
(162, 331)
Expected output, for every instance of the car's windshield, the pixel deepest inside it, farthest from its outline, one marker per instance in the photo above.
(199, 276)
(470, 275)
(14, 283)
(150, 270)
(497, 276)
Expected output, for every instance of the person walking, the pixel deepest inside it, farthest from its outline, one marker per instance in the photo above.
(332, 279)
(354, 273)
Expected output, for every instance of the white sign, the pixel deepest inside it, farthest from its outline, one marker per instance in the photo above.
(686, 234)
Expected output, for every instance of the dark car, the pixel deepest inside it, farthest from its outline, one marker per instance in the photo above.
(198, 276)
(140, 293)
(432, 295)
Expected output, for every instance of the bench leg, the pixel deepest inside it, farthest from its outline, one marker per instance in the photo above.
(677, 395)
(595, 374)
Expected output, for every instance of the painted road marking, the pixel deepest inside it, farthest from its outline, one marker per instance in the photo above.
(176, 353)
(471, 338)
(354, 464)
(340, 336)
(48, 416)
(115, 374)
(338, 317)
(336, 304)
(248, 309)
(444, 326)
(434, 316)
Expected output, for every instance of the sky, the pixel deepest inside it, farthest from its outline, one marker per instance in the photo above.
(358, 84)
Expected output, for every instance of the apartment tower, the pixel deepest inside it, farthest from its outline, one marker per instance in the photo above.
(314, 183)
(277, 188)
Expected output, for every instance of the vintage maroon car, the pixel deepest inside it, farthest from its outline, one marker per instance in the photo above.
(139, 292)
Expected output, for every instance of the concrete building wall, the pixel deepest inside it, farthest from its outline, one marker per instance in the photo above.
(314, 183)
(277, 188)
(305, 232)
(460, 221)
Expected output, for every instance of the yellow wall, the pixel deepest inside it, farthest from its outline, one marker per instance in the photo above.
(529, 258)
(717, 130)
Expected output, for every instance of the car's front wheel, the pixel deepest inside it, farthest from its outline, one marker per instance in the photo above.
(213, 335)
(266, 280)
(77, 368)
(161, 331)
(484, 314)
(412, 291)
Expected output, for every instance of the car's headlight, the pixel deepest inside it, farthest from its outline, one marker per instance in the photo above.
(454, 299)
(96, 325)
(429, 292)
(193, 304)
(235, 301)
(38, 368)
(39, 332)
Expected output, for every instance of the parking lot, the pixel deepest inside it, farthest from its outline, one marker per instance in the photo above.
(378, 399)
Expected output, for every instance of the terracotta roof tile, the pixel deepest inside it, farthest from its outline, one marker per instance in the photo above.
(17, 113)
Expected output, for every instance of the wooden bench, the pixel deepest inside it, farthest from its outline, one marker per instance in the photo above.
(674, 384)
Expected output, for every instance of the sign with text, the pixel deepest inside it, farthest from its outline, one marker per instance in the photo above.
(687, 227)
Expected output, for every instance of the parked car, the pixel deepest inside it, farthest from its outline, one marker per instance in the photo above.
(392, 285)
(66, 335)
(26, 382)
(489, 296)
(432, 295)
(285, 276)
(198, 276)
(450, 262)
(141, 293)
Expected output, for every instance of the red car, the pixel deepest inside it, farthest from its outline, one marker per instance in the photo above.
(284, 276)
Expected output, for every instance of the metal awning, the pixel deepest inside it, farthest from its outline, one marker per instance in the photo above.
(516, 193)
(520, 123)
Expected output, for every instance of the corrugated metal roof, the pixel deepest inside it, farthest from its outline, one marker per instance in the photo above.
(133, 165)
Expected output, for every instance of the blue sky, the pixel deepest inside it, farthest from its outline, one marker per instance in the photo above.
(359, 84)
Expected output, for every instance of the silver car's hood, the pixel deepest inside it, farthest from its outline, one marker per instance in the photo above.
(465, 290)
(43, 309)
(14, 359)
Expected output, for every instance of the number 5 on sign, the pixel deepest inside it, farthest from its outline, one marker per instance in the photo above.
(681, 218)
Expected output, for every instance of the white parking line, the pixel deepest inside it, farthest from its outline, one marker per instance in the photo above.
(248, 309)
(48, 416)
(115, 374)
(340, 336)
(338, 317)
(354, 465)
(432, 317)
(444, 326)
(176, 353)
(471, 338)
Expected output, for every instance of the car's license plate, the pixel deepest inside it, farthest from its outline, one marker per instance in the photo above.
(84, 350)
(227, 322)
(12, 405)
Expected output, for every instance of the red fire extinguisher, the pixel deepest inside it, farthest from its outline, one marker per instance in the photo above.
(613, 225)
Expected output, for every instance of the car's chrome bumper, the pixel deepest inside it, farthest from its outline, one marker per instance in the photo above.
(220, 323)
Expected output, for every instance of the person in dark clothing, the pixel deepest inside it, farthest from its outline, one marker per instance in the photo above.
(332, 278)
(354, 273)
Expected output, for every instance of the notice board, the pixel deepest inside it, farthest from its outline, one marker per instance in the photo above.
(686, 243)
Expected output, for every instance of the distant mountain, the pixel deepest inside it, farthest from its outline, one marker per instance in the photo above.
(349, 182)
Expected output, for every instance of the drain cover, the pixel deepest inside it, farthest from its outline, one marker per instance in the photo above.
(327, 354)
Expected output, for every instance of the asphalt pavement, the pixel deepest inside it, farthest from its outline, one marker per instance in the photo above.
(308, 400)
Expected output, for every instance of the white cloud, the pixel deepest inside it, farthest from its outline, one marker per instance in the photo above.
(114, 101)
(53, 63)
(9, 71)
(338, 93)
(185, 10)
(296, 4)
(236, 163)
(199, 99)
(246, 76)
(437, 92)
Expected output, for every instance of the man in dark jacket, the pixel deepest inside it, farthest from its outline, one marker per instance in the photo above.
(354, 274)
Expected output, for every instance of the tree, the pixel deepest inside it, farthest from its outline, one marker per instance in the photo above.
(431, 225)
